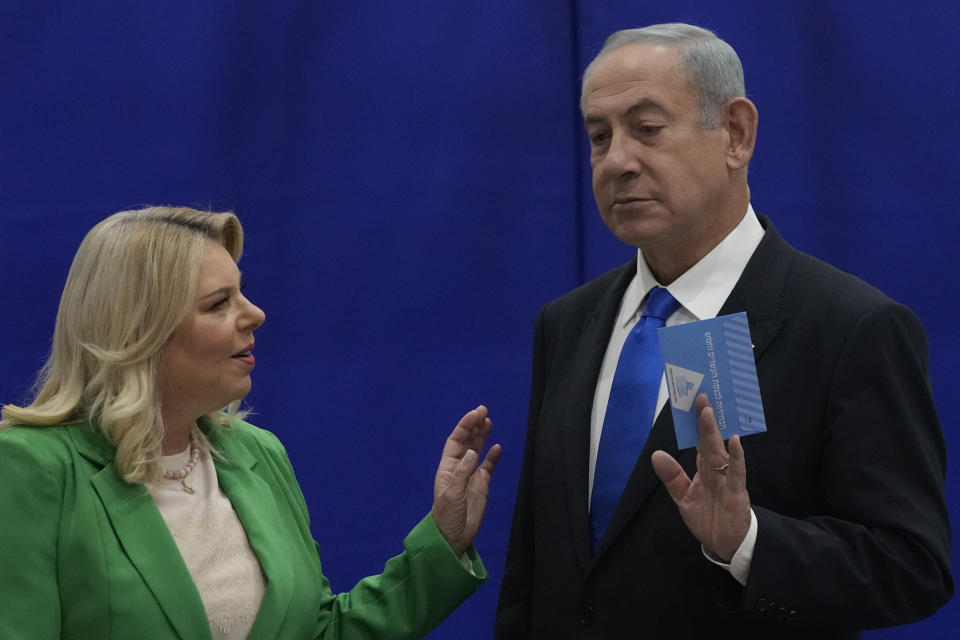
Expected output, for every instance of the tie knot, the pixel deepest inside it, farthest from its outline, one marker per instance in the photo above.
(660, 304)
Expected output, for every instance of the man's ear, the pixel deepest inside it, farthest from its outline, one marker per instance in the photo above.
(740, 119)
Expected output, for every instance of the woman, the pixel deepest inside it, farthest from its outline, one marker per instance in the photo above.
(134, 505)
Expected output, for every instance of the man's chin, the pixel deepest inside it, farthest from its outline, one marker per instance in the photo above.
(637, 232)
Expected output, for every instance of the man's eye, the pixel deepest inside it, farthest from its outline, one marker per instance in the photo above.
(598, 139)
(649, 129)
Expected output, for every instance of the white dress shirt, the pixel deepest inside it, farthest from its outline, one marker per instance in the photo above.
(701, 291)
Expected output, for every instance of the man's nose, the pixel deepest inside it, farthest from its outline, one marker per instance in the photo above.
(622, 157)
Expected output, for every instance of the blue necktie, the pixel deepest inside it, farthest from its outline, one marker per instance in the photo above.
(630, 410)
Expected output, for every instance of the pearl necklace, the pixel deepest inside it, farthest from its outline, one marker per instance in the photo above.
(181, 473)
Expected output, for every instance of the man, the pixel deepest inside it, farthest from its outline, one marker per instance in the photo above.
(830, 522)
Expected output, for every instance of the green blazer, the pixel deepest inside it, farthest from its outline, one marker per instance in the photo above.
(83, 554)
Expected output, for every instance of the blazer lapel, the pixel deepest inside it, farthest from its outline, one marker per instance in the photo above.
(580, 385)
(255, 505)
(145, 538)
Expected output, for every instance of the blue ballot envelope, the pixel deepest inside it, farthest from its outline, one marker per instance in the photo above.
(714, 356)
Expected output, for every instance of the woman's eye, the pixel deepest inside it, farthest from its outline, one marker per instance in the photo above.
(220, 303)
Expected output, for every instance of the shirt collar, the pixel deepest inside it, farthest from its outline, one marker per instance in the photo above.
(705, 286)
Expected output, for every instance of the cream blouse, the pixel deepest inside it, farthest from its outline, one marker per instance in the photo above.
(213, 544)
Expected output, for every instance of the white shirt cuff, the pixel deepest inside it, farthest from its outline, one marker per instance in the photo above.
(739, 566)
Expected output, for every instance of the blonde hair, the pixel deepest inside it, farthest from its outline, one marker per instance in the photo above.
(131, 283)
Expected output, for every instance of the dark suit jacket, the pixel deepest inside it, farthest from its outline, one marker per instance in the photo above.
(847, 483)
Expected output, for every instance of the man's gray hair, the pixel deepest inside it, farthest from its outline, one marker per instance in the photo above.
(712, 65)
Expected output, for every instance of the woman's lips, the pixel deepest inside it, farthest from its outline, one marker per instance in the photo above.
(248, 360)
(246, 357)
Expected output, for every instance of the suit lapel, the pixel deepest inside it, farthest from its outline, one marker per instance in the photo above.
(145, 538)
(760, 288)
(255, 505)
(582, 381)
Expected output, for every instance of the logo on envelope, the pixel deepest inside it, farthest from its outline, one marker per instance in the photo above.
(683, 386)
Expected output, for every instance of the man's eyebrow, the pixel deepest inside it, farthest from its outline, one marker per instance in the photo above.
(641, 105)
(646, 104)
(590, 119)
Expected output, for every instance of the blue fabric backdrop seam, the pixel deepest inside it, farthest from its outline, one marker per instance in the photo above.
(578, 148)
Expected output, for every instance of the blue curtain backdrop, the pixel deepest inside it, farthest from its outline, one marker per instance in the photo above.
(412, 177)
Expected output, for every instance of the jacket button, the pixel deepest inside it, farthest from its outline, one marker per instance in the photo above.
(587, 615)
(762, 605)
